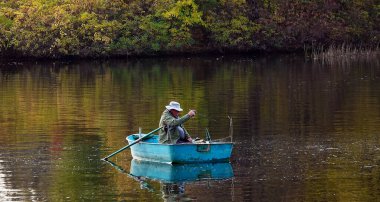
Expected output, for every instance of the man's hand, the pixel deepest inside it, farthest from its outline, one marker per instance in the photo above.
(192, 113)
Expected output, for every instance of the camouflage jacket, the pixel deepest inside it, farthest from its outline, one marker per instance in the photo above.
(169, 133)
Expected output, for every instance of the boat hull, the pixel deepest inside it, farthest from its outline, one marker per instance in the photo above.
(151, 150)
(169, 173)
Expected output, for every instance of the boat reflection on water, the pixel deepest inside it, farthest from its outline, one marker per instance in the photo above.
(174, 177)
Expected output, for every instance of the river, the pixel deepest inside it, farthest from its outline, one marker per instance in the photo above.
(302, 130)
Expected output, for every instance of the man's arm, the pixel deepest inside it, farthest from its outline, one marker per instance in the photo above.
(171, 121)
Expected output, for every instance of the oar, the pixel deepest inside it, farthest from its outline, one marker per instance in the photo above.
(135, 142)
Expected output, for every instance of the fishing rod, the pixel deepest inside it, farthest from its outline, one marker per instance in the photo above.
(207, 133)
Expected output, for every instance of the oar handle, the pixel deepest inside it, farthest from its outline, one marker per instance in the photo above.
(133, 143)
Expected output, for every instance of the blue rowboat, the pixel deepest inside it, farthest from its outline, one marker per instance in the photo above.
(169, 173)
(151, 150)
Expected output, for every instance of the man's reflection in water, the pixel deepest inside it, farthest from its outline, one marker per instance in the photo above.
(174, 192)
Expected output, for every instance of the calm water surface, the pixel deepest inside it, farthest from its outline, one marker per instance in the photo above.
(303, 131)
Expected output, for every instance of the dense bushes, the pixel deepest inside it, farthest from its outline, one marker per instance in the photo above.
(56, 28)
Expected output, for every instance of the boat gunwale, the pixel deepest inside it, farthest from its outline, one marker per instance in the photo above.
(183, 144)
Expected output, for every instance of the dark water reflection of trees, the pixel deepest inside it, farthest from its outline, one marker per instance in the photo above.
(303, 130)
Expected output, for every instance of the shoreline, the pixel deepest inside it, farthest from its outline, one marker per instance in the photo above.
(314, 53)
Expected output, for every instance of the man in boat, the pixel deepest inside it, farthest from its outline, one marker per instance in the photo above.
(173, 131)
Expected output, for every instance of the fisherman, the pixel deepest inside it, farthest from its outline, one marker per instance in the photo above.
(173, 131)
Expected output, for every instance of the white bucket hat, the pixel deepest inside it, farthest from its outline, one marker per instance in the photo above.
(174, 105)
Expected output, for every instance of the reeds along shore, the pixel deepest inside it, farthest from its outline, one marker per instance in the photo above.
(339, 53)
